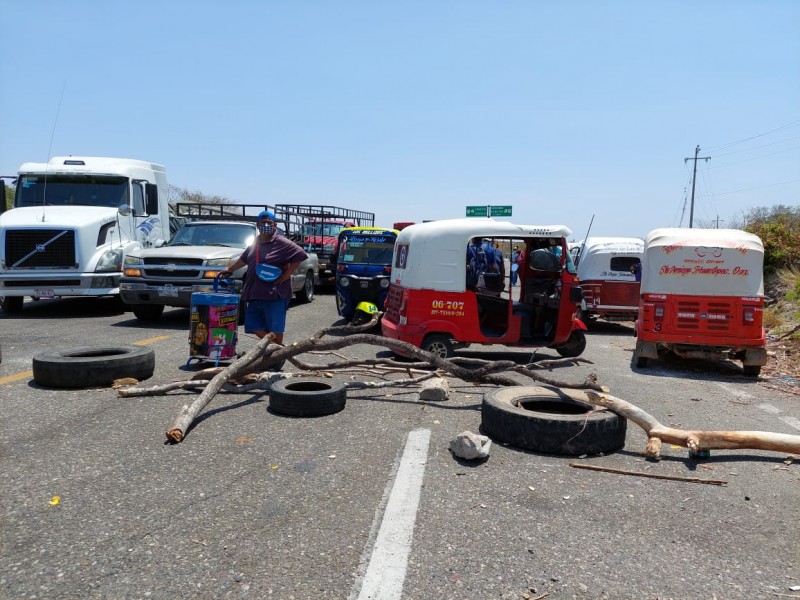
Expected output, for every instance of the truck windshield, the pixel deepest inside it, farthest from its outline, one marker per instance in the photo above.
(69, 190)
(208, 234)
(370, 250)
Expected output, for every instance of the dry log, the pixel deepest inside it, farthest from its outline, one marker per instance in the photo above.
(651, 475)
(189, 412)
(694, 440)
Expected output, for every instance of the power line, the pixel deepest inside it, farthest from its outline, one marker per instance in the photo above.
(753, 158)
(781, 128)
(762, 146)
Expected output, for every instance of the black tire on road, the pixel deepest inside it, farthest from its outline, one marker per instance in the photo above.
(306, 295)
(307, 397)
(551, 421)
(11, 304)
(147, 312)
(92, 366)
(574, 346)
(641, 362)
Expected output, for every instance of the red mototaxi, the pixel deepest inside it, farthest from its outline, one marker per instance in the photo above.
(702, 296)
(430, 305)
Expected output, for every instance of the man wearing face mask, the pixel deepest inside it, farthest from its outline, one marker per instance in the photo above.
(270, 260)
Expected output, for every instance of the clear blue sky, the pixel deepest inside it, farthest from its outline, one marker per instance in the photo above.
(415, 110)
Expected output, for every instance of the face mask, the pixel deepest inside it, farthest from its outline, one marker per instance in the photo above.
(266, 228)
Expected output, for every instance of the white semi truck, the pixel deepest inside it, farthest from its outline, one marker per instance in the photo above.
(73, 221)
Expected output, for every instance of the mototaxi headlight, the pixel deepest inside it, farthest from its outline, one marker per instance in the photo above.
(384, 283)
(218, 262)
(344, 281)
(110, 261)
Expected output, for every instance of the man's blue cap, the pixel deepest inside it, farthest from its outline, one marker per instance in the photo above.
(265, 214)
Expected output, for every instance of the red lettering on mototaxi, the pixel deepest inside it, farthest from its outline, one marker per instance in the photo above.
(740, 271)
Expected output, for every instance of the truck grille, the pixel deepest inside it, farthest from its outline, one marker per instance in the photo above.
(160, 260)
(173, 267)
(27, 248)
(172, 273)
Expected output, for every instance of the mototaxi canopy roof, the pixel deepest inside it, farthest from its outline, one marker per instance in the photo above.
(433, 255)
(703, 262)
(596, 254)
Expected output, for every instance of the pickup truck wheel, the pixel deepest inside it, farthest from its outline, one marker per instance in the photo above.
(12, 304)
(307, 397)
(551, 421)
(148, 312)
(307, 293)
(92, 366)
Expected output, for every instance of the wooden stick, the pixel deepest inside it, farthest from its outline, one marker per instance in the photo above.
(695, 439)
(651, 475)
(189, 412)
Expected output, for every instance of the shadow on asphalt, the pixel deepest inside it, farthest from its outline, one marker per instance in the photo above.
(79, 307)
(670, 365)
(622, 328)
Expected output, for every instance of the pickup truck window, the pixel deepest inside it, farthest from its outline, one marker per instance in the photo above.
(207, 234)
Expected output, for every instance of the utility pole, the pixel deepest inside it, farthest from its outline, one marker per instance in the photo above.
(718, 221)
(694, 176)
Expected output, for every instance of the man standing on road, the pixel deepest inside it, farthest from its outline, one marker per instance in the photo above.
(270, 261)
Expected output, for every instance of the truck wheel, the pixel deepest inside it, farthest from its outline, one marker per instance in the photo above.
(574, 346)
(12, 304)
(551, 421)
(752, 370)
(307, 397)
(641, 362)
(307, 293)
(439, 345)
(148, 312)
(92, 366)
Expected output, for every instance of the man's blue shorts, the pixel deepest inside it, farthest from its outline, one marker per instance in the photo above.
(266, 315)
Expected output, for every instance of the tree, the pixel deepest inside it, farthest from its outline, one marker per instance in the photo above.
(9, 196)
(779, 229)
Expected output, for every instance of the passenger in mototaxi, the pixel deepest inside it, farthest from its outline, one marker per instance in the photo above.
(541, 290)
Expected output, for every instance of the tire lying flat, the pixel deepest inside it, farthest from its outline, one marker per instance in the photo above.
(89, 366)
(307, 397)
(551, 421)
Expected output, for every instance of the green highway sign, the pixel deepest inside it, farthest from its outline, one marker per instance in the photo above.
(499, 211)
(477, 211)
(488, 211)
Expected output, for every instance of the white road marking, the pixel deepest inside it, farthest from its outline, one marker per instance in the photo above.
(770, 409)
(791, 421)
(386, 571)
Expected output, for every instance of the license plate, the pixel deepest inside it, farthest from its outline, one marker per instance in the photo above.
(43, 294)
(168, 291)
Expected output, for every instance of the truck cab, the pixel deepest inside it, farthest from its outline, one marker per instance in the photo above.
(73, 221)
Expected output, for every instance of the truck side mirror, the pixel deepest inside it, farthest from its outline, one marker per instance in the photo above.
(576, 294)
(3, 203)
(151, 201)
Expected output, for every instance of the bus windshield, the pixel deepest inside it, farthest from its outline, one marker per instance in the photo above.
(373, 250)
(68, 190)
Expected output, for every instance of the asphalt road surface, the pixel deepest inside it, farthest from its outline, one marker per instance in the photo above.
(369, 502)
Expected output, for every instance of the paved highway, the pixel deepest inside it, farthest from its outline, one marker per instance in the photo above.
(369, 502)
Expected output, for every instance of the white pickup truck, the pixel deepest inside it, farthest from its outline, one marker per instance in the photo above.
(168, 276)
